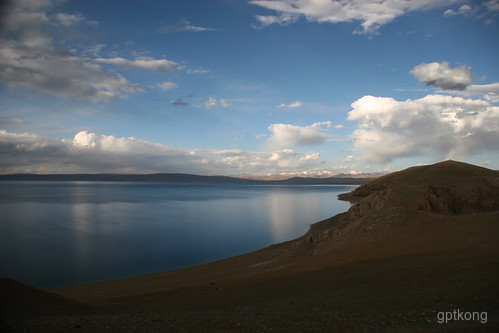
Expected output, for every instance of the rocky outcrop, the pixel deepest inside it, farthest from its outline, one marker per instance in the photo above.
(446, 200)
(383, 206)
(444, 188)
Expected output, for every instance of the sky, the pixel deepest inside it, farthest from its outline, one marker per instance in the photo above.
(247, 87)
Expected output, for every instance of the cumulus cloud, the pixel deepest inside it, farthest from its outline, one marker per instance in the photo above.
(89, 152)
(286, 135)
(445, 126)
(439, 74)
(26, 152)
(283, 161)
(310, 156)
(458, 80)
(292, 105)
(157, 65)
(29, 58)
(371, 14)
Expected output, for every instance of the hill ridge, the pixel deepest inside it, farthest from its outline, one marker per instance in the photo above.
(389, 206)
(178, 177)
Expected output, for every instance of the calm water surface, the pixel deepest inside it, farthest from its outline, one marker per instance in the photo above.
(58, 233)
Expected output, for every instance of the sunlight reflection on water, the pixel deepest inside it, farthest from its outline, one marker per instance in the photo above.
(56, 233)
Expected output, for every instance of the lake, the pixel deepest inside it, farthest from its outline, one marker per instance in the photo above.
(60, 233)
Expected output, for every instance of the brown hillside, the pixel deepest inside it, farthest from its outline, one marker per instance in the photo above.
(411, 211)
(448, 187)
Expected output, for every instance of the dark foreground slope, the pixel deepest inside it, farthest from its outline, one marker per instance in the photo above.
(418, 243)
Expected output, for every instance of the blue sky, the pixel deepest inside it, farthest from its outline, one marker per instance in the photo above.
(239, 87)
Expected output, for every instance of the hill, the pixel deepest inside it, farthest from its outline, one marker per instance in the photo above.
(179, 177)
(155, 177)
(412, 209)
(416, 244)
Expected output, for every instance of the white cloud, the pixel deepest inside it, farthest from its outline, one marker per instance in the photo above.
(285, 135)
(439, 74)
(211, 102)
(93, 153)
(371, 14)
(458, 80)
(292, 105)
(283, 19)
(445, 126)
(277, 162)
(463, 10)
(488, 91)
(310, 156)
(165, 85)
(94, 50)
(68, 19)
(109, 143)
(59, 73)
(157, 65)
(260, 136)
(481, 10)
(348, 159)
(197, 71)
(29, 58)
(27, 21)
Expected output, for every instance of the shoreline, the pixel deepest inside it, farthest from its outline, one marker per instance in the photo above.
(257, 229)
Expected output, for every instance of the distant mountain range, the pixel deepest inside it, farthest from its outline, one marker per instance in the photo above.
(180, 177)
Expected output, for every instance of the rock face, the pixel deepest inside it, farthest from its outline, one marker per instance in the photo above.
(446, 200)
(448, 187)
(408, 211)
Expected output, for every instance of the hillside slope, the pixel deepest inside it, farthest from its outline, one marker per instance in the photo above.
(414, 211)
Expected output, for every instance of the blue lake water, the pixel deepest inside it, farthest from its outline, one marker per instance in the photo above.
(59, 233)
